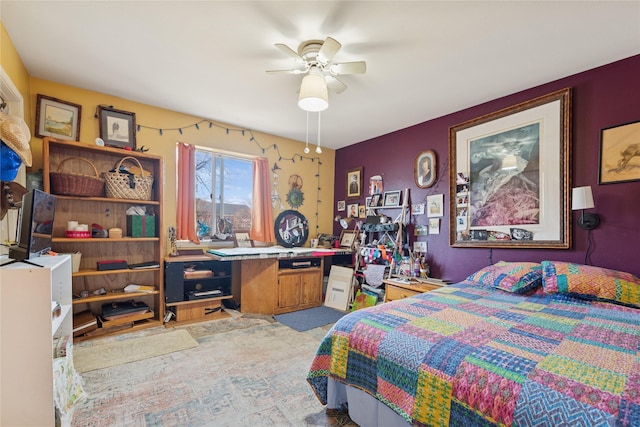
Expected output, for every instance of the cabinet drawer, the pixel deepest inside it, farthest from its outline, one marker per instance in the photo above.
(393, 293)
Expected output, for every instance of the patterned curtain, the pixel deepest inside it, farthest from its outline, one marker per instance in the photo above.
(262, 220)
(186, 214)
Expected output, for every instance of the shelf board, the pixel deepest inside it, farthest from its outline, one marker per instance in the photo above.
(142, 324)
(195, 301)
(110, 296)
(104, 239)
(107, 200)
(105, 272)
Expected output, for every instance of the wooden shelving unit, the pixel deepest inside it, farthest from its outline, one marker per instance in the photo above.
(108, 213)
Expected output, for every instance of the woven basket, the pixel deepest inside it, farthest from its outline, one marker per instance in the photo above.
(76, 184)
(127, 186)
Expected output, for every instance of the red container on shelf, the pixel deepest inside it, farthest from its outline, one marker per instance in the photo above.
(79, 234)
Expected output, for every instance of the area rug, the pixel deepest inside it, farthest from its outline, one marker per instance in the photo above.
(246, 376)
(106, 354)
(303, 320)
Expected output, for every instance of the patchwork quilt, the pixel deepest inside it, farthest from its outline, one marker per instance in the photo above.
(468, 355)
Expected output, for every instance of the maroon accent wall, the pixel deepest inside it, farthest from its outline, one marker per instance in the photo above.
(602, 97)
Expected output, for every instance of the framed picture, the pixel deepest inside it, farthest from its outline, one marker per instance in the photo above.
(421, 230)
(117, 127)
(424, 169)
(242, 240)
(362, 211)
(434, 225)
(435, 205)
(620, 153)
(375, 185)
(352, 210)
(341, 205)
(391, 198)
(417, 209)
(348, 238)
(57, 118)
(354, 183)
(375, 200)
(515, 162)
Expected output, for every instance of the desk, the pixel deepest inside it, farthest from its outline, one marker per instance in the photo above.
(270, 284)
(403, 288)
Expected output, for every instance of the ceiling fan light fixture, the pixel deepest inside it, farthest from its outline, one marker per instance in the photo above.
(314, 95)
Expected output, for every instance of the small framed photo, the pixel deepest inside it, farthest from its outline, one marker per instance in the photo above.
(57, 118)
(117, 127)
(421, 230)
(417, 209)
(348, 238)
(374, 201)
(242, 240)
(435, 205)
(354, 183)
(434, 225)
(420, 247)
(362, 211)
(352, 210)
(424, 169)
(341, 206)
(619, 154)
(375, 185)
(392, 198)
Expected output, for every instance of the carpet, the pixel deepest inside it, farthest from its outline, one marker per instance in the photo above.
(106, 354)
(312, 318)
(244, 372)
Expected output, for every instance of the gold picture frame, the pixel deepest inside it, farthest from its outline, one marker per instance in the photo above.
(354, 183)
(509, 170)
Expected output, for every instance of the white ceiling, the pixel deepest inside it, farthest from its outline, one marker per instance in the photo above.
(424, 59)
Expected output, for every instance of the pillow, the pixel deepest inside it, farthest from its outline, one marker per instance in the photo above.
(590, 282)
(516, 277)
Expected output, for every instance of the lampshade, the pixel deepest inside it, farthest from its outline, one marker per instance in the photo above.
(582, 198)
(510, 162)
(313, 92)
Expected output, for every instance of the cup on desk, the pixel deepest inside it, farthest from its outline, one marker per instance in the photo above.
(314, 243)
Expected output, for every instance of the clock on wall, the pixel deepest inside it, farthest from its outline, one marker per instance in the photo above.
(291, 229)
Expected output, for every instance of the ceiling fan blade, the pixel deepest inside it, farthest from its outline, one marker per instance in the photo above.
(328, 50)
(335, 85)
(289, 52)
(292, 71)
(358, 67)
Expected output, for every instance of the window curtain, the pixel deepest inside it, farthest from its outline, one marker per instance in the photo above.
(262, 220)
(186, 214)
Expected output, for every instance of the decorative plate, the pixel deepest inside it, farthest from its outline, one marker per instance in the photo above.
(291, 229)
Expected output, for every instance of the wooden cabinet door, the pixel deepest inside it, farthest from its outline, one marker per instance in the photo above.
(311, 288)
(288, 290)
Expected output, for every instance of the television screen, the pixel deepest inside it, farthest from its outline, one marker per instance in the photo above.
(35, 226)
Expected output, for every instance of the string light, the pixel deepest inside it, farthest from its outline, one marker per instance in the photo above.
(253, 139)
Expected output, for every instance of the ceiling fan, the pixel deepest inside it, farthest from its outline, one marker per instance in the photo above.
(314, 57)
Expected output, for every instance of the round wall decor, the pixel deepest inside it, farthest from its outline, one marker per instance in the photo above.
(291, 229)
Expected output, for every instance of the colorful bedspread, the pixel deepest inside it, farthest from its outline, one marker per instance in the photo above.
(466, 355)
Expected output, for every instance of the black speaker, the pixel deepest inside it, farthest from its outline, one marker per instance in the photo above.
(173, 282)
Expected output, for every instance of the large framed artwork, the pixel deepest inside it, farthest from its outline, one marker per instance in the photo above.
(620, 153)
(57, 118)
(509, 176)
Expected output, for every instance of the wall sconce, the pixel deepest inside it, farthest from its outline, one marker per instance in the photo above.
(583, 199)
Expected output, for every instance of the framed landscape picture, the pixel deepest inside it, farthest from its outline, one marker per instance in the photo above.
(57, 118)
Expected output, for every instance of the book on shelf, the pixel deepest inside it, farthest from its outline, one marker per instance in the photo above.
(142, 265)
(83, 322)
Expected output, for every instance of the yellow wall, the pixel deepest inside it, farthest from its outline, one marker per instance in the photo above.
(164, 145)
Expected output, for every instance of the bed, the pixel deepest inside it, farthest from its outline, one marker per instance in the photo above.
(522, 344)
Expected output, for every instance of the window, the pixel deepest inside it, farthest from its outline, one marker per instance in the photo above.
(227, 180)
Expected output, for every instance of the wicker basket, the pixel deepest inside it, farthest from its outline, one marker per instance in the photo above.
(127, 186)
(76, 184)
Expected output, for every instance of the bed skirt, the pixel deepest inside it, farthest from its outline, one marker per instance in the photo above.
(364, 409)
